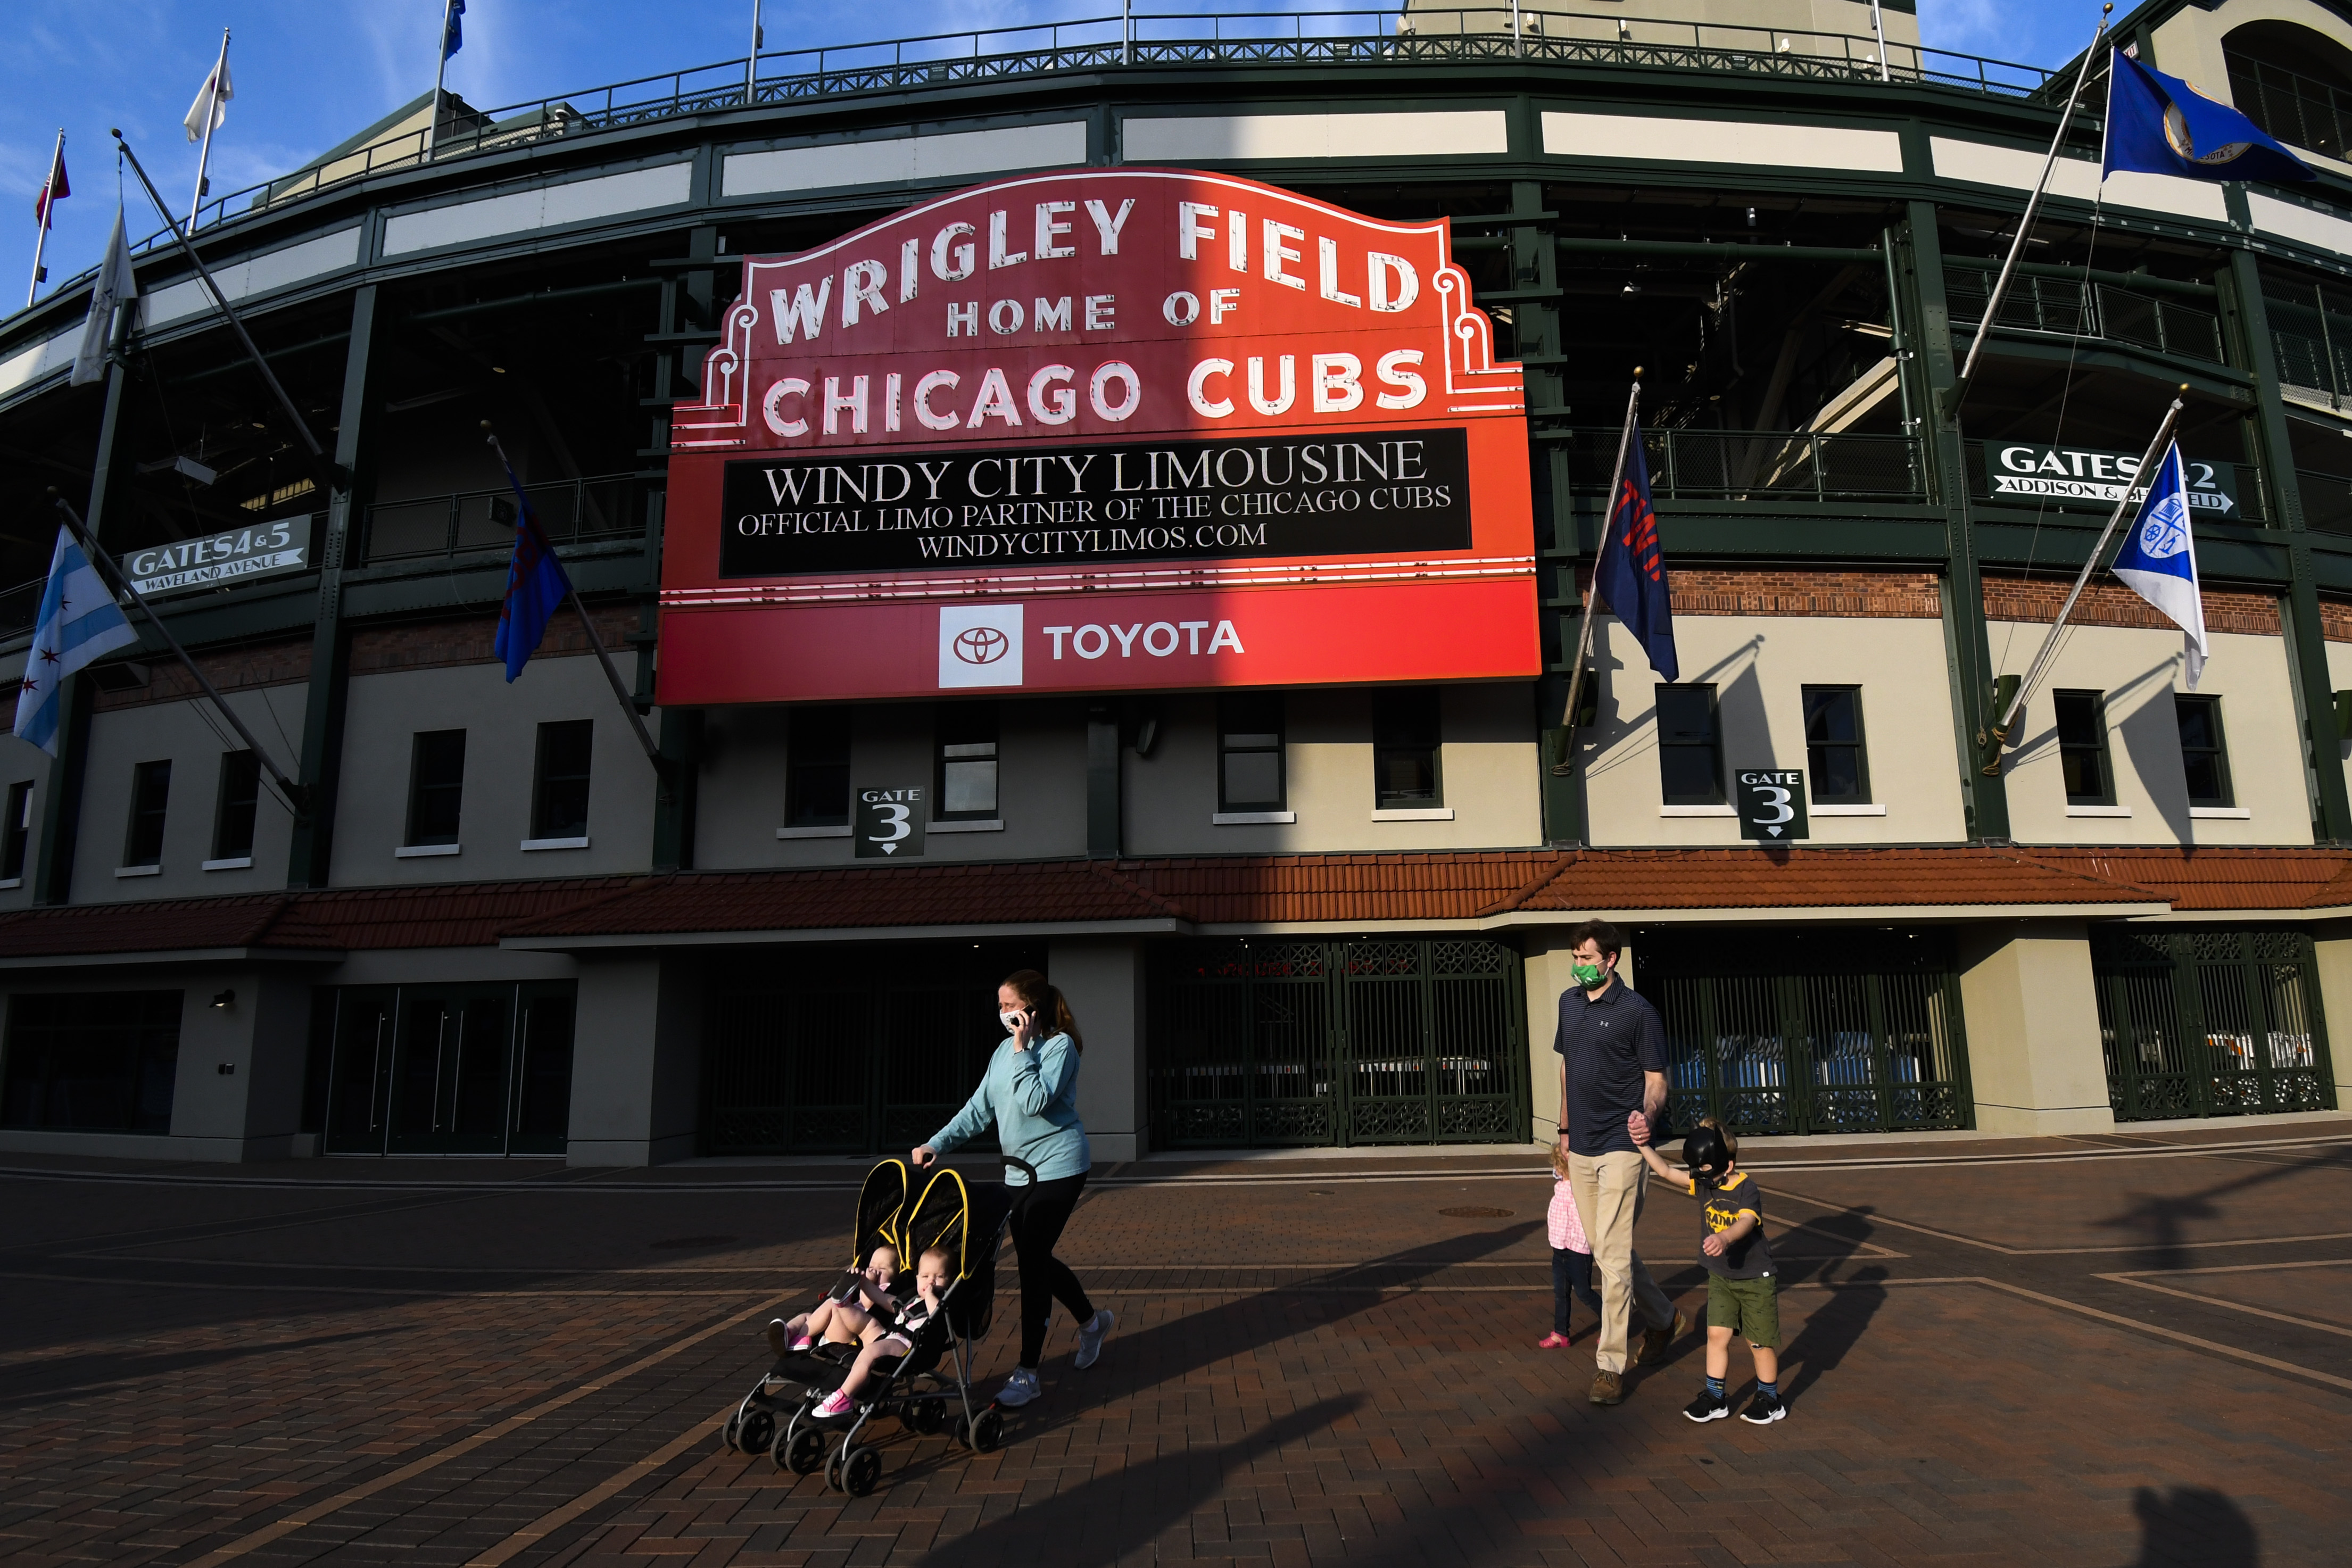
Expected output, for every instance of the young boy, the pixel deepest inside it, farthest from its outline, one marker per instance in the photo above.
(1742, 1296)
(895, 1337)
(838, 1319)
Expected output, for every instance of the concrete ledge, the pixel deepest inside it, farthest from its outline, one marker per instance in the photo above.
(629, 1151)
(2043, 1121)
(155, 1145)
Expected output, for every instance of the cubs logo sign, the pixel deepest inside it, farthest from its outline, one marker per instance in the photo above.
(1106, 429)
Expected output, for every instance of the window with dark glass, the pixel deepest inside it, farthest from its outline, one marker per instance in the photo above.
(1249, 752)
(1836, 769)
(965, 788)
(91, 1060)
(559, 796)
(240, 796)
(436, 786)
(19, 831)
(2203, 757)
(2082, 749)
(1690, 747)
(816, 768)
(1407, 747)
(151, 793)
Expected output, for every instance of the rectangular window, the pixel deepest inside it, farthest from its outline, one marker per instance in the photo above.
(151, 792)
(1249, 744)
(2203, 757)
(966, 784)
(2082, 749)
(1690, 747)
(94, 1060)
(436, 786)
(1406, 747)
(1836, 766)
(816, 768)
(559, 794)
(19, 831)
(240, 796)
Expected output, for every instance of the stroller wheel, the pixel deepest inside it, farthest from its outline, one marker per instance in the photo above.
(987, 1432)
(727, 1433)
(755, 1431)
(803, 1453)
(926, 1416)
(864, 1468)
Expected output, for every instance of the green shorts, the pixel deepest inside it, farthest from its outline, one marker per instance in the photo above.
(1749, 1308)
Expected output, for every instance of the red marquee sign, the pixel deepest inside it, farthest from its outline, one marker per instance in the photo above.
(1113, 429)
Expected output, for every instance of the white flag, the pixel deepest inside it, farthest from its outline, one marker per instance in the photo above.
(115, 286)
(79, 621)
(2159, 560)
(212, 99)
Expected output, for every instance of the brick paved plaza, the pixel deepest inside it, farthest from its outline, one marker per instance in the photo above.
(2111, 1351)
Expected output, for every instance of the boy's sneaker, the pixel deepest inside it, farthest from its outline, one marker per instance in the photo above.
(1090, 1336)
(1762, 1410)
(1018, 1389)
(1709, 1407)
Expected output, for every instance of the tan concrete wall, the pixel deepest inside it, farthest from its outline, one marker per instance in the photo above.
(1102, 979)
(1758, 665)
(2333, 945)
(2139, 671)
(2188, 44)
(2032, 1019)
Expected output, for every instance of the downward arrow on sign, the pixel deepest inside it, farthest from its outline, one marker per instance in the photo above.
(1774, 831)
(893, 848)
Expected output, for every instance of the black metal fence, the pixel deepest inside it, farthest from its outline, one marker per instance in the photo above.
(2210, 1022)
(2299, 110)
(1759, 465)
(573, 511)
(2076, 308)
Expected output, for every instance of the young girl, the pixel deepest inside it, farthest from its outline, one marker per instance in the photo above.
(893, 1336)
(838, 1320)
(1572, 1256)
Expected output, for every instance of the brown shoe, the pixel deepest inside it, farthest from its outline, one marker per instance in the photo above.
(1608, 1388)
(1656, 1342)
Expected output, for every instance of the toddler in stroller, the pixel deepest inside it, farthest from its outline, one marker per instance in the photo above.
(847, 1312)
(915, 1367)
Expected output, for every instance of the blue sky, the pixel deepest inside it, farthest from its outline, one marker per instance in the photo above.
(307, 73)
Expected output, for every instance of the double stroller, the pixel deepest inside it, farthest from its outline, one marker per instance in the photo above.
(926, 1391)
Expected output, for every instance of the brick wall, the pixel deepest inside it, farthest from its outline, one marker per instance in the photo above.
(2035, 601)
(2335, 620)
(234, 669)
(465, 640)
(1782, 590)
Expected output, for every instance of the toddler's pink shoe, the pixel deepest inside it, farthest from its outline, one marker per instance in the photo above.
(1554, 1342)
(836, 1403)
(802, 1342)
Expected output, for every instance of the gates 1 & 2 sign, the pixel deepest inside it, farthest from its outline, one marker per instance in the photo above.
(1100, 430)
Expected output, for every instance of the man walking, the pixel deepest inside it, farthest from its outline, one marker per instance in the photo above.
(1612, 1062)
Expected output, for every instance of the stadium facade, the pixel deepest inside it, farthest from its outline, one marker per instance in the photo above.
(1316, 899)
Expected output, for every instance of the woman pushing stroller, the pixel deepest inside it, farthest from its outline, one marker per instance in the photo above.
(1030, 1094)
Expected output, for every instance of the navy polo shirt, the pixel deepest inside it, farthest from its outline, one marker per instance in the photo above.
(1608, 1045)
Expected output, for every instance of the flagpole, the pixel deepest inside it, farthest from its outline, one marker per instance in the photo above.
(2033, 671)
(1584, 633)
(91, 547)
(48, 211)
(440, 64)
(611, 672)
(752, 65)
(2025, 224)
(212, 114)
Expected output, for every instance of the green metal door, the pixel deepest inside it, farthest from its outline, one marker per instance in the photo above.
(2212, 1022)
(1337, 1043)
(452, 1069)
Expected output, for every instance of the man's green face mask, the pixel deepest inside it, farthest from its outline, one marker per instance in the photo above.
(1587, 975)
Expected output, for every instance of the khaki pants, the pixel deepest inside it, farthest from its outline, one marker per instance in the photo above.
(1609, 1189)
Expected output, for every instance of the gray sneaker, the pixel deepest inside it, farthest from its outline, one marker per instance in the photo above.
(1018, 1389)
(1090, 1336)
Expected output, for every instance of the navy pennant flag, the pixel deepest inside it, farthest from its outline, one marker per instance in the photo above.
(2158, 124)
(537, 584)
(1631, 577)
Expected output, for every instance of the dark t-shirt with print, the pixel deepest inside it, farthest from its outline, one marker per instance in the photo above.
(1750, 1256)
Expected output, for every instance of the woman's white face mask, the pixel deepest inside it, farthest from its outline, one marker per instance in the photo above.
(1010, 1022)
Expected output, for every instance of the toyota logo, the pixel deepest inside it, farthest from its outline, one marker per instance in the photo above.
(981, 646)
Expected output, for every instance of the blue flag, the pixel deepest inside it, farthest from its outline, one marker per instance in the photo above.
(1631, 577)
(2158, 559)
(2158, 124)
(536, 585)
(453, 37)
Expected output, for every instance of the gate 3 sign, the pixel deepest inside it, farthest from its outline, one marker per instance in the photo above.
(1772, 804)
(1107, 429)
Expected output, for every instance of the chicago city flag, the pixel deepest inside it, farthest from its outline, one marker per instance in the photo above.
(1631, 577)
(2158, 559)
(537, 585)
(79, 621)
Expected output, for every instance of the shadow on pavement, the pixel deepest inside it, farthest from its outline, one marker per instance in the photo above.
(67, 1377)
(2194, 1525)
(2160, 1220)
(1835, 1328)
(1104, 1519)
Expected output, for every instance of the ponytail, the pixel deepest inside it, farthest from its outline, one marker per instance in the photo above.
(1041, 997)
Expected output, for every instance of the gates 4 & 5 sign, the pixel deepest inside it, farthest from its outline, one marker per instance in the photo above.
(1772, 804)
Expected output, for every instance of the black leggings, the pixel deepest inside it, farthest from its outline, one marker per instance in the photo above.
(1039, 1212)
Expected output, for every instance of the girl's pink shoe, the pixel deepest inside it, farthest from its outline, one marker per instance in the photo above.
(1554, 1342)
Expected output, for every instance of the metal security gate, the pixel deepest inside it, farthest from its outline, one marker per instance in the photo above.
(854, 1054)
(1318, 1043)
(1810, 1033)
(2210, 1023)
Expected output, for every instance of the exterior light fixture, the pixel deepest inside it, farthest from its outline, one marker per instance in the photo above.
(224, 1000)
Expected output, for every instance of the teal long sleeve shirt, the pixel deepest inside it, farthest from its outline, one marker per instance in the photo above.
(1031, 1096)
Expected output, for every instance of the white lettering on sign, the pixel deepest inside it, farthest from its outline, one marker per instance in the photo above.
(1092, 641)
